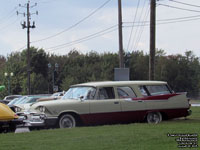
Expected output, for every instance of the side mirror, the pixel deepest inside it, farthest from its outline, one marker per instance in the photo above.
(81, 98)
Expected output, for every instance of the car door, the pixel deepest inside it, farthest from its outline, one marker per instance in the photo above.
(133, 109)
(105, 107)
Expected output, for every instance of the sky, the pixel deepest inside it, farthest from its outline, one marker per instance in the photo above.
(91, 25)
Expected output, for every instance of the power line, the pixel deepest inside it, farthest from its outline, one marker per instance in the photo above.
(6, 26)
(21, 48)
(46, 1)
(167, 22)
(9, 15)
(141, 31)
(186, 20)
(7, 19)
(135, 36)
(180, 18)
(86, 38)
(184, 3)
(69, 28)
(133, 25)
(179, 8)
(163, 20)
(83, 38)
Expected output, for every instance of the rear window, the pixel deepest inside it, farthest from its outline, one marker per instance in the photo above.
(158, 89)
(153, 90)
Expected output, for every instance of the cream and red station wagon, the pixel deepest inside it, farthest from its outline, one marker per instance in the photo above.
(109, 102)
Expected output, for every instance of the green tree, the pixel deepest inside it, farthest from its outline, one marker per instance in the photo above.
(139, 63)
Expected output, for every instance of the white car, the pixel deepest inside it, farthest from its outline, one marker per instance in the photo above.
(108, 103)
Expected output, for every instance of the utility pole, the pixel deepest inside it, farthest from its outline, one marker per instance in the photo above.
(121, 55)
(28, 26)
(152, 39)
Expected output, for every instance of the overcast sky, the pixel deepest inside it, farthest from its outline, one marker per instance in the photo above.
(85, 25)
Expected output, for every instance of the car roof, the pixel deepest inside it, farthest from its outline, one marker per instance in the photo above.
(12, 97)
(120, 83)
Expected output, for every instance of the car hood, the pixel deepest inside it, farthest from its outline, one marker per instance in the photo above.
(52, 103)
(23, 106)
(6, 113)
(49, 98)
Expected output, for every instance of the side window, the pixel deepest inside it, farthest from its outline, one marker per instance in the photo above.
(143, 91)
(125, 92)
(158, 89)
(106, 93)
(91, 94)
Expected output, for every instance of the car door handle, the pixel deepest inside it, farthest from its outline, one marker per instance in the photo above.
(116, 102)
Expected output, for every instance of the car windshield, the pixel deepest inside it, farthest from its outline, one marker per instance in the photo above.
(15, 101)
(30, 99)
(22, 100)
(78, 92)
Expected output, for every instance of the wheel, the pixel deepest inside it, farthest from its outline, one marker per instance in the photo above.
(67, 121)
(154, 117)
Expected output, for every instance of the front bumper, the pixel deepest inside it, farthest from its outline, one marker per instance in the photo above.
(37, 120)
(12, 122)
(6, 126)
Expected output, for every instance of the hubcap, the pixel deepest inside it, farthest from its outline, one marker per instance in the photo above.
(67, 123)
(153, 118)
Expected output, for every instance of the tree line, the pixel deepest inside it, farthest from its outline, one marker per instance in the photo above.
(182, 72)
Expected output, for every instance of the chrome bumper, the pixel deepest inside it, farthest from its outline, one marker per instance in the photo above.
(36, 120)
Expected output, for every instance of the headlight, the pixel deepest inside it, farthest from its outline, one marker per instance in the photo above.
(42, 109)
(18, 109)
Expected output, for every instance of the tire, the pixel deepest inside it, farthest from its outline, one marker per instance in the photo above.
(1, 130)
(67, 121)
(154, 117)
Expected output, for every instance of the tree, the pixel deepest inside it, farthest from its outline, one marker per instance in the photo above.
(182, 72)
(139, 66)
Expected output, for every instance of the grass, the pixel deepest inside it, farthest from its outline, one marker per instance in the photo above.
(139, 136)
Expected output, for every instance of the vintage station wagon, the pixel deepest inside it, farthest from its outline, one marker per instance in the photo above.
(110, 102)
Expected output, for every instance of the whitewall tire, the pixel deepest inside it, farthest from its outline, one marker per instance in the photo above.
(154, 117)
(67, 121)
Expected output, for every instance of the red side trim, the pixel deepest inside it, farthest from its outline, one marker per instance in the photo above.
(130, 116)
(158, 97)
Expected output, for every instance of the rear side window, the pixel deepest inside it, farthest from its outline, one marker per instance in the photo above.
(158, 89)
(106, 93)
(125, 92)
